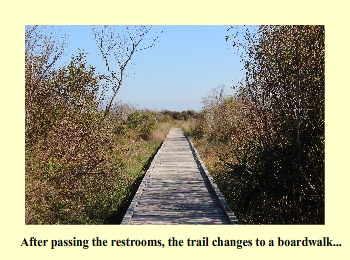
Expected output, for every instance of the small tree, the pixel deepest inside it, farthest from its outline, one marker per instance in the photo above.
(44, 45)
(117, 45)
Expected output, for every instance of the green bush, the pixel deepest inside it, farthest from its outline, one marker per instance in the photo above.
(144, 123)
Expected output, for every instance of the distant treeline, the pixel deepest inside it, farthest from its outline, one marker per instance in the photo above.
(184, 115)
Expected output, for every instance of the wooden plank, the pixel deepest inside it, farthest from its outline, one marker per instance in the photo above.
(177, 189)
(179, 220)
(184, 214)
(178, 201)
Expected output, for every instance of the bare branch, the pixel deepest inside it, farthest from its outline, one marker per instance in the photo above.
(117, 45)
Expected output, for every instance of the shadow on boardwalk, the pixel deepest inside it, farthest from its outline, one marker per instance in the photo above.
(178, 189)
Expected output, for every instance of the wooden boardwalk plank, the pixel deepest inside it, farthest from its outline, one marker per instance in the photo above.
(178, 189)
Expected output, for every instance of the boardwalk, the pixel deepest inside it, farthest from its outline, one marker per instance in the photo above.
(177, 189)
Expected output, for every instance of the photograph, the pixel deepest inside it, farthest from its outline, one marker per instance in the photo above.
(174, 130)
(174, 124)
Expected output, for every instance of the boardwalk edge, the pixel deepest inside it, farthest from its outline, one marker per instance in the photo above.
(227, 209)
(130, 211)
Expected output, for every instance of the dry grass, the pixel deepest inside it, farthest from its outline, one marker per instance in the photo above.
(184, 125)
(162, 131)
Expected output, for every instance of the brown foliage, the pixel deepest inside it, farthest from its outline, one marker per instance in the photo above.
(80, 161)
(272, 130)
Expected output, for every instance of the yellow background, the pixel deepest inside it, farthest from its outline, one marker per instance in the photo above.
(15, 15)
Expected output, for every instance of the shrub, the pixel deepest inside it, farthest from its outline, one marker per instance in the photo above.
(143, 122)
(271, 132)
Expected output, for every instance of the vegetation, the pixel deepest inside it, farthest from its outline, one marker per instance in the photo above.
(83, 162)
(265, 144)
(86, 153)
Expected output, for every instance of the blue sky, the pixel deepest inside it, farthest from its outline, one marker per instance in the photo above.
(186, 63)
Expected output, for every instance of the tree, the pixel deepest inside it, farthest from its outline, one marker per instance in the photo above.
(44, 45)
(117, 46)
(279, 150)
